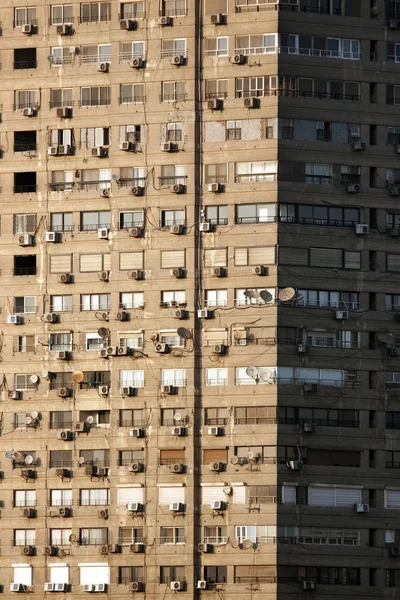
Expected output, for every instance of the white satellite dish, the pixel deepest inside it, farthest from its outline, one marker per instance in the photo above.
(177, 417)
(28, 420)
(234, 460)
(247, 544)
(238, 335)
(116, 177)
(45, 374)
(252, 372)
(72, 538)
(34, 414)
(28, 459)
(250, 455)
(33, 378)
(81, 460)
(227, 490)
(16, 454)
(184, 333)
(235, 543)
(287, 294)
(72, 49)
(9, 454)
(154, 337)
(90, 420)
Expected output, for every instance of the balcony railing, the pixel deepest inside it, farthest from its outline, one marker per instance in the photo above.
(290, 93)
(125, 580)
(320, 222)
(244, 220)
(255, 420)
(222, 381)
(128, 56)
(61, 61)
(215, 540)
(94, 185)
(263, 499)
(24, 189)
(319, 179)
(137, 99)
(255, 177)
(171, 461)
(22, 271)
(128, 182)
(216, 421)
(124, 462)
(61, 20)
(171, 540)
(251, 579)
(212, 95)
(171, 52)
(94, 502)
(288, 6)
(173, 97)
(95, 18)
(61, 186)
(94, 58)
(25, 64)
(95, 541)
(176, 11)
(56, 464)
(25, 148)
(94, 227)
(166, 181)
(24, 503)
(61, 104)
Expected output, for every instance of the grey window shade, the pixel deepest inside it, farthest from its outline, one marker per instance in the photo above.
(216, 257)
(216, 6)
(61, 263)
(255, 256)
(393, 262)
(352, 260)
(172, 258)
(326, 257)
(293, 256)
(130, 260)
(89, 263)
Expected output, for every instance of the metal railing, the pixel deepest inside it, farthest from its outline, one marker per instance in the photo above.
(172, 540)
(167, 180)
(170, 53)
(263, 499)
(216, 421)
(95, 19)
(55, 464)
(256, 177)
(25, 64)
(25, 148)
(223, 381)
(171, 461)
(320, 222)
(124, 462)
(61, 20)
(124, 580)
(173, 97)
(94, 185)
(94, 226)
(62, 187)
(24, 189)
(274, 5)
(89, 502)
(22, 271)
(128, 56)
(94, 58)
(255, 420)
(212, 95)
(244, 220)
(61, 425)
(251, 579)
(320, 422)
(137, 99)
(319, 179)
(290, 93)
(133, 182)
(102, 541)
(61, 61)
(24, 503)
(62, 104)
(216, 539)
(173, 12)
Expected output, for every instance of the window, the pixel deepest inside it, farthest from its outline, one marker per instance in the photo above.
(172, 493)
(173, 298)
(61, 419)
(134, 339)
(171, 338)
(92, 574)
(217, 215)
(255, 171)
(217, 257)
(215, 534)
(216, 297)
(131, 300)
(171, 48)
(242, 298)
(22, 382)
(174, 132)
(126, 457)
(22, 574)
(60, 458)
(216, 416)
(131, 50)
(392, 262)
(215, 574)
(20, 420)
(95, 96)
(392, 302)
(62, 181)
(95, 536)
(172, 535)
(24, 16)
(24, 498)
(60, 497)
(94, 497)
(255, 213)
(94, 12)
(94, 220)
(216, 88)
(172, 217)
(233, 130)
(24, 224)
(60, 341)
(60, 537)
(172, 174)
(217, 46)
(25, 305)
(217, 376)
(173, 8)
(131, 219)
(168, 574)
(131, 93)
(95, 53)
(61, 14)
(126, 495)
(61, 97)
(254, 415)
(61, 303)
(174, 377)
(24, 537)
(61, 56)
(132, 10)
(171, 259)
(328, 536)
(328, 299)
(95, 342)
(169, 416)
(61, 263)
(131, 417)
(129, 574)
(25, 141)
(255, 256)
(93, 137)
(262, 376)
(100, 458)
(172, 91)
(133, 379)
(336, 216)
(25, 99)
(318, 174)
(92, 263)
(24, 343)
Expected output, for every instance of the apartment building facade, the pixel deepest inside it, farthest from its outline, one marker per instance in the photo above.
(200, 292)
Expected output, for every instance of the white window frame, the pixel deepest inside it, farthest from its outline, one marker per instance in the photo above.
(174, 377)
(216, 376)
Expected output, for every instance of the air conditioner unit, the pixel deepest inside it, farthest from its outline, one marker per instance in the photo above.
(122, 315)
(128, 24)
(28, 474)
(50, 551)
(216, 188)
(362, 508)
(126, 146)
(394, 190)
(354, 188)
(137, 190)
(136, 232)
(49, 587)
(161, 348)
(202, 583)
(309, 427)
(362, 229)
(393, 24)
(205, 548)
(136, 467)
(88, 587)
(103, 67)
(91, 471)
(14, 395)
(28, 28)
(177, 586)
(63, 392)
(135, 507)
(167, 389)
(28, 112)
(178, 60)
(25, 240)
(105, 193)
(308, 585)
(216, 467)
(112, 350)
(103, 471)
(17, 587)
(64, 29)
(137, 63)
(294, 465)
(341, 315)
(251, 102)
(103, 390)
(359, 146)
(63, 473)
(203, 313)
(137, 548)
(137, 432)
(61, 587)
(219, 349)
(51, 236)
(114, 548)
(177, 229)
(104, 275)
(14, 320)
(29, 513)
(238, 59)
(302, 348)
(50, 317)
(52, 150)
(165, 21)
(64, 278)
(127, 391)
(169, 147)
(260, 270)
(100, 151)
(122, 351)
(102, 234)
(180, 314)
(394, 551)
(176, 507)
(215, 431)
(82, 427)
(65, 435)
(64, 150)
(393, 351)
(28, 550)
(178, 273)
(218, 505)
(205, 227)
(136, 586)
(219, 272)
(176, 468)
(178, 188)
(179, 431)
(215, 104)
(64, 512)
(217, 19)
(64, 113)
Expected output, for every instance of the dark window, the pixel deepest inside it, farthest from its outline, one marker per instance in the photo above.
(60, 458)
(24, 183)
(168, 574)
(129, 574)
(25, 58)
(215, 574)
(25, 265)
(61, 419)
(24, 141)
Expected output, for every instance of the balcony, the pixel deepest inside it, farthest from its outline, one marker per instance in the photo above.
(94, 185)
(92, 59)
(62, 186)
(256, 177)
(291, 93)
(128, 56)
(24, 64)
(24, 189)
(167, 181)
(170, 53)
(125, 462)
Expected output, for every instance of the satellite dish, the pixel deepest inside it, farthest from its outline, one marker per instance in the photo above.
(33, 378)
(266, 295)
(40, 339)
(9, 454)
(250, 455)
(81, 460)
(184, 333)
(72, 49)
(103, 332)
(90, 420)
(227, 490)
(251, 294)
(50, 58)
(234, 460)
(45, 374)
(72, 538)
(287, 294)
(247, 544)
(252, 372)
(235, 543)
(237, 335)
(391, 180)
(154, 337)
(28, 459)
(116, 177)
(28, 420)
(177, 416)
(16, 455)
(77, 376)
(34, 414)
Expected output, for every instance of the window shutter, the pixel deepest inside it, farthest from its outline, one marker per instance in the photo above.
(215, 7)
(215, 455)
(262, 256)
(352, 260)
(127, 495)
(130, 260)
(90, 263)
(348, 496)
(392, 498)
(95, 573)
(326, 257)
(167, 495)
(177, 455)
(393, 262)
(288, 494)
(107, 262)
(239, 494)
(241, 257)
(172, 258)
(61, 263)
(23, 574)
(293, 256)
(58, 574)
(213, 494)
(215, 258)
(321, 496)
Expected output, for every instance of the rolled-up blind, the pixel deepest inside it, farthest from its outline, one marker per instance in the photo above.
(262, 256)
(393, 262)
(213, 494)
(392, 498)
(326, 257)
(167, 495)
(215, 257)
(215, 455)
(126, 495)
(172, 258)
(293, 256)
(130, 260)
(61, 263)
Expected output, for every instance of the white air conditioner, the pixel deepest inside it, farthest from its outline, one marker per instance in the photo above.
(14, 320)
(128, 24)
(178, 273)
(65, 435)
(64, 278)
(357, 146)
(215, 431)
(215, 188)
(136, 586)
(137, 548)
(126, 146)
(136, 232)
(52, 150)
(127, 391)
(28, 28)
(219, 349)
(260, 270)
(203, 313)
(294, 465)
(62, 355)
(14, 394)
(177, 586)
(137, 63)
(180, 314)
(164, 21)
(215, 104)
(238, 59)
(177, 468)
(103, 390)
(136, 432)
(219, 272)
(308, 585)
(161, 348)
(302, 348)
(218, 505)
(135, 507)
(137, 190)
(88, 587)
(354, 188)
(64, 29)
(61, 587)
(64, 150)
(105, 193)
(103, 67)
(169, 147)
(104, 275)
(28, 112)
(51, 236)
(63, 392)
(64, 113)
(202, 583)
(362, 508)
(251, 102)
(341, 315)
(179, 431)
(362, 229)
(205, 227)
(216, 467)
(178, 188)
(217, 19)
(50, 317)
(136, 274)
(167, 389)
(49, 587)
(102, 233)
(177, 229)
(17, 587)
(136, 467)
(26, 239)
(176, 507)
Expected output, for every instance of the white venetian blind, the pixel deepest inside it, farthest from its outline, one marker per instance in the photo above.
(167, 495)
(128, 495)
(293, 256)
(215, 257)
(130, 260)
(90, 263)
(22, 574)
(58, 573)
(330, 496)
(239, 494)
(288, 494)
(213, 494)
(392, 498)
(255, 256)
(94, 573)
(61, 263)
(172, 258)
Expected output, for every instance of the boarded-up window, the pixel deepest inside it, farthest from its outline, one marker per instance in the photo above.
(393, 262)
(215, 455)
(326, 257)
(168, 456)
(131, 260)
(293, 256)
(255, 256)
(167, 495)
(216, 257)
(91, 263)
(126, 495)
(61, 263)
(172, 258)
(213, 7)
